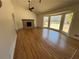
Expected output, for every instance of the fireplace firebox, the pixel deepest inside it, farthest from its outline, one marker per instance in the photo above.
(29, 24)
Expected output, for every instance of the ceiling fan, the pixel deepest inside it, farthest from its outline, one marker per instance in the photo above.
(0, 3)
(39, 1)
(30, 8)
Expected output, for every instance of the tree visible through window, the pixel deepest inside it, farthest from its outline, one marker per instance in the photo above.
(56, 20)
(67, 22)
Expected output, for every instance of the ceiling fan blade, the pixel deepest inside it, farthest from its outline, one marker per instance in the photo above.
(0, 3)
(40, 1)
(32, 8)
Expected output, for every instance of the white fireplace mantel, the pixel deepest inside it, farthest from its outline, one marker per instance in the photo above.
(26, 21)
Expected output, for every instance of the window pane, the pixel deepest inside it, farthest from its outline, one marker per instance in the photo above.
(67, 22)
(45, 21)
(55, 22)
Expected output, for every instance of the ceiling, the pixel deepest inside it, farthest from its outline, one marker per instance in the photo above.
(45, 5)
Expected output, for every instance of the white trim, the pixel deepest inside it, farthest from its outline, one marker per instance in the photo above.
(12, 49)
(74, 54)
(75, 37)
(59, 13)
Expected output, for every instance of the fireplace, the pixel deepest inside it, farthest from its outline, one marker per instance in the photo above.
(28, 23)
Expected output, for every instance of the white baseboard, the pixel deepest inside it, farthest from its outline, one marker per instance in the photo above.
(12, 49)
(75, 37)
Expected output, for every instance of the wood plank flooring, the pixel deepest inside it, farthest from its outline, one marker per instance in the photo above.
(45, 44)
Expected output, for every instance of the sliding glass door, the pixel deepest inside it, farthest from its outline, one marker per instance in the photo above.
(67, 22)
(55, 22)
(45, 21)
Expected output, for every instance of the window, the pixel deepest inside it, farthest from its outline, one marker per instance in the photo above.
(55, 22)
(67, 22)
(45, 21)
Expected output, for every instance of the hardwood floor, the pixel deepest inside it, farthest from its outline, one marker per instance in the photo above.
(45, 44)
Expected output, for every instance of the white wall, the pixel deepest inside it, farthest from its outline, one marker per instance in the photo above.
(74, 29)
(40, 20)
(7, 32)
(20, 13)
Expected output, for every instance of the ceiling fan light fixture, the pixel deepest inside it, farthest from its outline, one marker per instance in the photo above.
(40, 1)
(0, 3)
(30, 8)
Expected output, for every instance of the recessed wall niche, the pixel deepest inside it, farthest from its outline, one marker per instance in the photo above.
(0, 3)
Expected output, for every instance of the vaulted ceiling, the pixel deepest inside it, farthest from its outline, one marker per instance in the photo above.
(45, 5)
